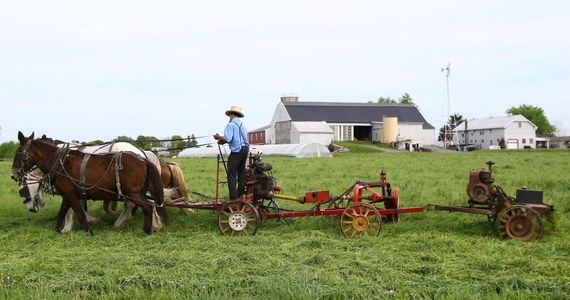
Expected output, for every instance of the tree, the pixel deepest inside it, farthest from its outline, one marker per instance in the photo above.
(406, 99)
(502, 143)
(536, 115)
(95, 142)
(384, 100)
(452, 122)
(192, 141)
(8, 149)
(178, 142)
(124, 138)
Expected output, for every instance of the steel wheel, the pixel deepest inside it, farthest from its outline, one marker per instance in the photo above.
(521, 223)
(360, 219)
(238, 218)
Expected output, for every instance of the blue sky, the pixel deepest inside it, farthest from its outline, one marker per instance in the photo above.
(94, 70)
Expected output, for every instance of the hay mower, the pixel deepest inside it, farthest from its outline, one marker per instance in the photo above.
(516, 218)
(365, 205)
(362, 207)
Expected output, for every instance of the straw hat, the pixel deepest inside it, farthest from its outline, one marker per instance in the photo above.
(236, 110)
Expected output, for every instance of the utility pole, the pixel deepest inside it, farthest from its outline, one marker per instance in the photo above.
(447, 70)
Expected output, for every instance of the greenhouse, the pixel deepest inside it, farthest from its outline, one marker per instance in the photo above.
(295, 150)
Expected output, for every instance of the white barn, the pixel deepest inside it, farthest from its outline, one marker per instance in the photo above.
(486, 133)
(323, 122)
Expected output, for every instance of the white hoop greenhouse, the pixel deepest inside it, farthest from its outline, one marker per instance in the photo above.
(295, 150)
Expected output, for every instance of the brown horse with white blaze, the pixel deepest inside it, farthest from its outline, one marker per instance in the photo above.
(78, 176)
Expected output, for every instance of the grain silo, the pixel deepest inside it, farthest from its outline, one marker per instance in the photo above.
(390, 129)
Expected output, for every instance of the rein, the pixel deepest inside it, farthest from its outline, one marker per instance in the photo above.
(78, 183)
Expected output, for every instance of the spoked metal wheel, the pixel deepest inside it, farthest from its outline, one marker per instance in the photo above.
(521, 223)
(360, 219)
(238, 218)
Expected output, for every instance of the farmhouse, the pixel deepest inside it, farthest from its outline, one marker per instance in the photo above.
(486, 133)
(295, 121)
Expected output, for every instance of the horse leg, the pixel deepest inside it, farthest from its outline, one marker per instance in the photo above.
(68, 223)
(61, 215)
(148, 211)
(113, 206)
(110, 207)
(156, 223)
(77, 206)
(126, 214)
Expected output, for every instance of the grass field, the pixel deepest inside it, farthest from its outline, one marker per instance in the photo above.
(427, 255)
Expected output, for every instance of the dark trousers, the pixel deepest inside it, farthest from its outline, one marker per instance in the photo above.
(236, 173)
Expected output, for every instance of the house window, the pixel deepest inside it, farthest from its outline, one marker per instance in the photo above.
(524, 141)
(482, 141)
(520, 124)
(490, 130)
(531, 141)
(482, 132)
(463, 135)
(471, 133)
(491, 142)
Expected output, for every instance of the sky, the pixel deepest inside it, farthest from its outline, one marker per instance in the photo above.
(96, 70)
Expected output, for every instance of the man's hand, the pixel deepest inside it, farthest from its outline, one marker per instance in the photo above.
(220, 139)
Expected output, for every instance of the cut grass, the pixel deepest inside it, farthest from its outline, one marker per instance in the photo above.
(427, 255)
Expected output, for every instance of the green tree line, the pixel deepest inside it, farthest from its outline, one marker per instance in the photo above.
(176, 142)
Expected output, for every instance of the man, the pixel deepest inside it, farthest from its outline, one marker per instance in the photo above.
(235, 134)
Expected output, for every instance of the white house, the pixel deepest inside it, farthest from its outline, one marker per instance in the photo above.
(322, 122)
(486, 133)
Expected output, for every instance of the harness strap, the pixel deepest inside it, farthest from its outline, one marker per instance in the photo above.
(82, 174)
(118, 167)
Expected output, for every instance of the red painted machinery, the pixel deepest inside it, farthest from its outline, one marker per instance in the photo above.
(362, 207)
(517, 218)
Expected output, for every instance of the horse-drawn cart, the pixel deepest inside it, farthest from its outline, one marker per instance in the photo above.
(362, 207)
(365, 205)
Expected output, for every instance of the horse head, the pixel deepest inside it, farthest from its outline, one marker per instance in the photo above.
(22, 164)
(31, 190)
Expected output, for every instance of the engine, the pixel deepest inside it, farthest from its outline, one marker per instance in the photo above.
(261, 183)
(480, 186)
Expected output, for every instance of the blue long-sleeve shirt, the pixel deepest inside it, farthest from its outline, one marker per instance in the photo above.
(235, 134)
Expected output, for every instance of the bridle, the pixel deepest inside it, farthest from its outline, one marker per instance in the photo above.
(23, 161)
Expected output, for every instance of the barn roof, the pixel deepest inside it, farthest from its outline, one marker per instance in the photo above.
(491, 122)
(343, 112)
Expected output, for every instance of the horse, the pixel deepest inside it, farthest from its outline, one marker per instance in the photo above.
(171, 173)
(78, 176)
(33, 184)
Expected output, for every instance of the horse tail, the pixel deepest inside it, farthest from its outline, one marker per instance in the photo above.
(178, 180)
(156, 190)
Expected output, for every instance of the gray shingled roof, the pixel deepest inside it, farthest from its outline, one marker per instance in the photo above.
(343, 112)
